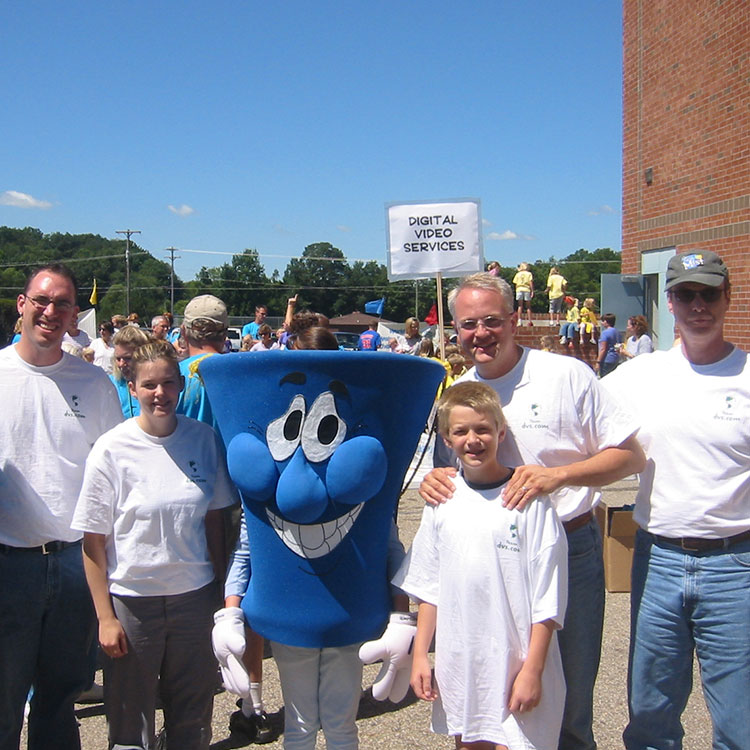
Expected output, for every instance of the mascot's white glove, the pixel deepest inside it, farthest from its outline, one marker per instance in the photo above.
(394, 647)
(228, 639)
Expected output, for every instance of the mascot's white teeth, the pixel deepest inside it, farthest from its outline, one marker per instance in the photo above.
(315, 539)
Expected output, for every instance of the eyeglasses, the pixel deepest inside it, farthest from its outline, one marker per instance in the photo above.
(42, 303)
(708, 294)
(490, 323)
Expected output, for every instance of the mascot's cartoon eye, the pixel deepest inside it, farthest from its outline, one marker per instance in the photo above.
(283, 434)
(324, 430)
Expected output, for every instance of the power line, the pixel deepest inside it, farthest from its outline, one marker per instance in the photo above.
(68, 261)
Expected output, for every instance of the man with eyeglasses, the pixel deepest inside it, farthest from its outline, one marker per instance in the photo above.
(567, 438)
(54, 407)
(691, 569)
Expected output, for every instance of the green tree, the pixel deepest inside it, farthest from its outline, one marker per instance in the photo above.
(319, 277)
(90, 257)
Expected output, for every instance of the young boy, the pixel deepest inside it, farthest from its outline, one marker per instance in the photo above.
(492, 586)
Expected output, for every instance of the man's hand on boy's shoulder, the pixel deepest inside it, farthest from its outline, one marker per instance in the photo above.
(529, 482)
(437, 486)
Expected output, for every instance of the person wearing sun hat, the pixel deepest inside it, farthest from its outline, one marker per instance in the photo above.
(204, 327)
(691, 568)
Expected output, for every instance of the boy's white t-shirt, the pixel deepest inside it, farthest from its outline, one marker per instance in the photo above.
(492, 573)
(150, 496)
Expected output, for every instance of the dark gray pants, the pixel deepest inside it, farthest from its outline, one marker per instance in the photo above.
(169, 654)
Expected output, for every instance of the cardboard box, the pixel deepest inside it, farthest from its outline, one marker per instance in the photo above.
(618, 538)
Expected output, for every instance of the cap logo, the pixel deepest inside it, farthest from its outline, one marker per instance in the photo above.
(692, 261)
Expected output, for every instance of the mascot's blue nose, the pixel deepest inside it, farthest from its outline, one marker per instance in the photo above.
(301, 495)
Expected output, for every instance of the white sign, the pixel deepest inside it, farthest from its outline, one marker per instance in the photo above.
(434, 237)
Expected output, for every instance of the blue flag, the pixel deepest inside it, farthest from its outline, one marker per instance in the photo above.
(375, 307)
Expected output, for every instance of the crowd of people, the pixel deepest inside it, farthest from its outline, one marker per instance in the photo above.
(115, 501)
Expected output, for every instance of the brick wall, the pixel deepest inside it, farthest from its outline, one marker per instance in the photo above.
(686, 117)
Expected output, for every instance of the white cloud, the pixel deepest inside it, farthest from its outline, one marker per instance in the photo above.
(486, 223)
(343, 228)
(22, 200)
(601, 211)
(508, 234)
(182, 210)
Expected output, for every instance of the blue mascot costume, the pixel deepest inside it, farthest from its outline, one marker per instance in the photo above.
(318, 443)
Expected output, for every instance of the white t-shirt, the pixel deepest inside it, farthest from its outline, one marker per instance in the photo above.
(492, 573)
(51, 416)
(259, 347)
(640, 345)
(695, 431)
(557, 414)
(104, 356)
(150, 496)
(81, 339)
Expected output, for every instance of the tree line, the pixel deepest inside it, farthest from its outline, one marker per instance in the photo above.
(322, 277)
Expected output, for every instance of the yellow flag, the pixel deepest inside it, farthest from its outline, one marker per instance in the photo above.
(93, 298)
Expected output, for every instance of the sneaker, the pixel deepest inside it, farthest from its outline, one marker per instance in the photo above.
(257, 728)
(562, 339)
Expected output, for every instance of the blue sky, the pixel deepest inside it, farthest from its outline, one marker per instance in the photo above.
(225, 125)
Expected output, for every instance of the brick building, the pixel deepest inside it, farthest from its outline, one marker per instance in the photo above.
(686, 146)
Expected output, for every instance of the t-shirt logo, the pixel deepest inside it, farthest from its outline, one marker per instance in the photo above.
(74, 410)
(195, 474)
(726, 410)
(510, 544)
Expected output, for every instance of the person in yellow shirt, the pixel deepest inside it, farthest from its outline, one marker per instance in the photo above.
(556, 284)
(569, 329)
(524, 284)
(588, 321)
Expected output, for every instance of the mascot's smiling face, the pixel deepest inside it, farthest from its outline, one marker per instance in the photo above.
(313, 470)
(318, 443)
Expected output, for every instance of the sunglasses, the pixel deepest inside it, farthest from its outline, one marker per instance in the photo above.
(708, 295)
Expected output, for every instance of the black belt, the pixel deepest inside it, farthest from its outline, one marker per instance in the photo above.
(44, 549)
(701, 544)
(578, 522)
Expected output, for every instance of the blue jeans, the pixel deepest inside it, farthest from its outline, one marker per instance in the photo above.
(47, 628)
(569, 330)
(581, 637)
(684, 601)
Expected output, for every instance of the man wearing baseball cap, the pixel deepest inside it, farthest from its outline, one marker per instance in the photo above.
(204, 327)
(691, 570)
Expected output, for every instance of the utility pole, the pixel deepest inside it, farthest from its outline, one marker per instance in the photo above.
(127, 233)
(172, 251)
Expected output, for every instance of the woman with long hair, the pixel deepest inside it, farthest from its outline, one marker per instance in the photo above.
(638, 341)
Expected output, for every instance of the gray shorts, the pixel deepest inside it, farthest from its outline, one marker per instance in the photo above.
(523, 296)
(555, 305)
